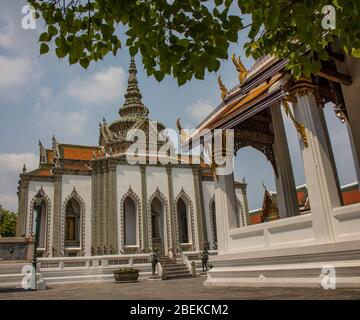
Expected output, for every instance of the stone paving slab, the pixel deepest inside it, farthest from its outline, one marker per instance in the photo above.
(189, 289)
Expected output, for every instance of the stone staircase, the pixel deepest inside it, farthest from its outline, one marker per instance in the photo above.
(175, 270)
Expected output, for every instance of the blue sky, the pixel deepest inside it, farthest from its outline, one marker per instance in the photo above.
(42, 96)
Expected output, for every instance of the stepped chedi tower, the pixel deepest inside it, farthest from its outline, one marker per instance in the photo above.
(133, 115)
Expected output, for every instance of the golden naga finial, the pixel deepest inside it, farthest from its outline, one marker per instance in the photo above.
(224, 91)
(240, 68)
(298, 126)
(178, 124)
(183, 135)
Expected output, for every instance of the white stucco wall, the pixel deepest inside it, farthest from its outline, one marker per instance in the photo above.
(156, 177)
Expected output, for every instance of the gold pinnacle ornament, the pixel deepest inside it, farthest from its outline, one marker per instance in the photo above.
(224, 91)
(298, 126)
(240, 68)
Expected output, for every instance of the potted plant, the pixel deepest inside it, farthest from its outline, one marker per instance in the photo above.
(126, 275)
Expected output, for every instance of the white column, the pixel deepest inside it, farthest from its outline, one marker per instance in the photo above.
(351, 97)
(225, 207)
(319, 172)
(285, 183)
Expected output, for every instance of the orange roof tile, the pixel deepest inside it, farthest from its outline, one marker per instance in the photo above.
(76, 166)
(350, 197)
(300, 197)
(42, 172)
(49, 156)
(78, 152)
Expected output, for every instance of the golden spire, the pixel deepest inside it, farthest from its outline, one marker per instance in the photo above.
(224, 91)
(240, 68)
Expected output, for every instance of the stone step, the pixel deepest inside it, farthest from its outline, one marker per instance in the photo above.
(174, 272)
(179, 276)
(176, 268)
(175, 264)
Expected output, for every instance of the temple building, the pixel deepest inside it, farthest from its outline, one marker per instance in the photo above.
(316, 247)
(269, 210)
(94, 202)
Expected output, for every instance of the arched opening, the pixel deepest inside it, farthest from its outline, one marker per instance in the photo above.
(72, 223)
(43, 226)
(260, 178)
(183, 225)
(157, 225)
(213, 221)
(130, 222)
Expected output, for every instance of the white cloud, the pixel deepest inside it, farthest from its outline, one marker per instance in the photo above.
(11, 165)
(15, 72)
(9, 201)
(6, 34)
(106, 85)
(12, 36)
(199, 110)
(13, 162)
(72, 122)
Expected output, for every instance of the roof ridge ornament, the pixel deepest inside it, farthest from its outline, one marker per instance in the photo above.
(42, 154)
(298, 126)
(240, 68)
(224, 91)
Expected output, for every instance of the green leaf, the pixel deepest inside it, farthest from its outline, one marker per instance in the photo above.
(44, 48)
(44, 37)
(159, 76)
(52, 31)
(84, 63)
(356, 52)
(133, 51)
(61, 52)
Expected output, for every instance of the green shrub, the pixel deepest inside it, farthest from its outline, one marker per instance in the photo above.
(126, 270)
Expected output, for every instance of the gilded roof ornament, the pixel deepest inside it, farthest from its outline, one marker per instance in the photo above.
(42, 154)
(183, 135)
(224, 91)
(240, 68)
(298, 126)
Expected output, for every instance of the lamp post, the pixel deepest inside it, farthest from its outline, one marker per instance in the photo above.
(37, 207)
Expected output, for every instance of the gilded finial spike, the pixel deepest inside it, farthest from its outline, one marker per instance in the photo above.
(183, 134)
(298, 126)
(224, 91)
(178, 125)
(240, 68)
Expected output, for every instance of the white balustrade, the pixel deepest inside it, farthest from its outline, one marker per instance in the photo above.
(93, 262)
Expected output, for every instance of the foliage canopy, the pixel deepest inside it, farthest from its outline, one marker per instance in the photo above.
(7, 223)
(186, 39)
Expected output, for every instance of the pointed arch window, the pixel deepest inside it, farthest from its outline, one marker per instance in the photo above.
(72, 223)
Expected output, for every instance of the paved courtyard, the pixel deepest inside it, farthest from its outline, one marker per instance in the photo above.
(191, 289)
